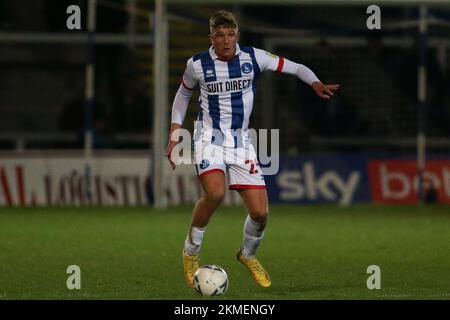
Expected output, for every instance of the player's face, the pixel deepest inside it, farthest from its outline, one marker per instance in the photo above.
(224, 41)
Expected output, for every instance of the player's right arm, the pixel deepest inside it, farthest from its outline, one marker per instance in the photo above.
(179, 108)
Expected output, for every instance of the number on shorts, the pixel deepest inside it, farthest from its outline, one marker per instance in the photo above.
(252, 166)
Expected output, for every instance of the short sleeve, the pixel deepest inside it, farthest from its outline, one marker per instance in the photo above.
(190, 80)
(267, 60)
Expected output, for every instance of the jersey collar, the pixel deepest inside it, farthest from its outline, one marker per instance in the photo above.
(214, 56)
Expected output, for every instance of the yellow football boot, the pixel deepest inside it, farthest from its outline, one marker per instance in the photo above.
(190, 265)
(257, 271)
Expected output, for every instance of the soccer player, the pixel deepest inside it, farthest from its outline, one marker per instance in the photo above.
(226, 75)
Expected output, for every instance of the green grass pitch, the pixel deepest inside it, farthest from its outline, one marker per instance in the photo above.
(311, 252)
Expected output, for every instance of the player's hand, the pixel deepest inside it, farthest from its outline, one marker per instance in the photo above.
(169, 149)
(324, 91)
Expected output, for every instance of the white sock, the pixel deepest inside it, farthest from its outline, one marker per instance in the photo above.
(192, 245)
(253, 234)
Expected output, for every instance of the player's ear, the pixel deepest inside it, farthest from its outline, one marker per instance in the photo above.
(237, 36)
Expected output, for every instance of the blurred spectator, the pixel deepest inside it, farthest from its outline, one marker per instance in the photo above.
(136, 114)
(15, 15)
(132, 104)
(72, 119)
(430, 192)
(437, 107)
(333, 117)
(375, 46)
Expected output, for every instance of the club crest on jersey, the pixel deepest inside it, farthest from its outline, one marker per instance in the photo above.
(204, 164)
(246, 68)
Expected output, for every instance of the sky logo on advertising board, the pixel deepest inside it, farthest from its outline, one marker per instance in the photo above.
(305, 184)
(395, 181)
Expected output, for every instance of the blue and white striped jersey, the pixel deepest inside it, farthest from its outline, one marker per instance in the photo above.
(227, 91)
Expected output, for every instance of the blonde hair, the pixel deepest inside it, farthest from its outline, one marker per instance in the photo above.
(224, 19)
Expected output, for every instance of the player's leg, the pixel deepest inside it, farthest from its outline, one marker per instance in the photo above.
(213, 191)
(246, 177)
(257, 207)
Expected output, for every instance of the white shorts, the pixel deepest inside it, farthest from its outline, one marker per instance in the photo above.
(241, 164)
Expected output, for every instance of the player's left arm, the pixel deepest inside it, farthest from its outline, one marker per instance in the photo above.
(324, 91)
(269, 61)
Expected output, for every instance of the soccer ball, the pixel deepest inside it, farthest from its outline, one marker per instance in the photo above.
(210, 280)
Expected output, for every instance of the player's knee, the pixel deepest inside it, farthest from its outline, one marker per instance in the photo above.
(215, 196)
(259, 215)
